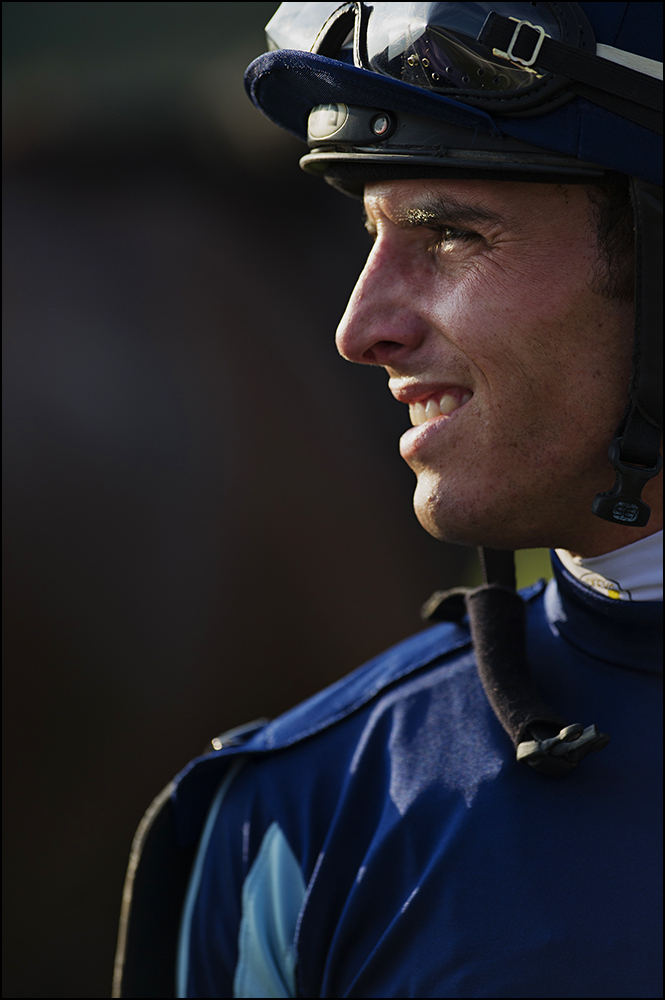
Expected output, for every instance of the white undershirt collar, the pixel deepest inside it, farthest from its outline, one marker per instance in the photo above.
(633, 573)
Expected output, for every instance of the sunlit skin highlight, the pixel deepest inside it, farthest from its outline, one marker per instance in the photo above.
(485, 287)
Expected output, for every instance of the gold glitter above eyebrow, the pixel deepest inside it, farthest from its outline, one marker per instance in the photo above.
(445, 211)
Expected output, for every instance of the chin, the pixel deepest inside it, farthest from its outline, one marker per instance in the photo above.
(448, 530)
(462, 520)
(446, 519)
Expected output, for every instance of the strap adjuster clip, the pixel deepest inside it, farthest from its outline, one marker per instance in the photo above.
(562, 752)
(510, 53)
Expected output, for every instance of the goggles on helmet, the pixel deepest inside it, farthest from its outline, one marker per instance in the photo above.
(528, 60)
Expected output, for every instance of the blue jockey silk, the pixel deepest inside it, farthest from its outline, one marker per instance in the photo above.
(380, 840)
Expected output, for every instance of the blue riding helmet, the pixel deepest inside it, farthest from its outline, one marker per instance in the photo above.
(553, 92)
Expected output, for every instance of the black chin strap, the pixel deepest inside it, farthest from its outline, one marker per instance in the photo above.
(497, 616)
(634, 452)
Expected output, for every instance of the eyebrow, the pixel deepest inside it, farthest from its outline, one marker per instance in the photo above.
(444, 211)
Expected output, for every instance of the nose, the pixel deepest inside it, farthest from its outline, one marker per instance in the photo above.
(380, 325)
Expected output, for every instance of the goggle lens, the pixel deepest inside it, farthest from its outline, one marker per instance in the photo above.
(436, 48)
(428, 45)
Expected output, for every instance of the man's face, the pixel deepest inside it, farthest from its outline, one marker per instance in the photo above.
(477, 300)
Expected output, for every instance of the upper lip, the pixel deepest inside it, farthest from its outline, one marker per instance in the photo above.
(416, 392)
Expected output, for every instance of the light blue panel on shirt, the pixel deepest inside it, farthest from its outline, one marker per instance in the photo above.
(182, 967)
(271, 899)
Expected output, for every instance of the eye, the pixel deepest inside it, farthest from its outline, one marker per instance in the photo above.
(446, 237)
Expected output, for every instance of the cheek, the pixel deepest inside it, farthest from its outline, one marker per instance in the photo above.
(490, 321)
(541, 328)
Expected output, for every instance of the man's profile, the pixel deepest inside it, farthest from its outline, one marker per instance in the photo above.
(473, 813)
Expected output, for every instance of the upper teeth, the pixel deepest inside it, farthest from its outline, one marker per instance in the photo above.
(420, 412)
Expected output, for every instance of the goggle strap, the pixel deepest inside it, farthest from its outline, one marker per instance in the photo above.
(646, 117)
(649, 67)
(503, 34)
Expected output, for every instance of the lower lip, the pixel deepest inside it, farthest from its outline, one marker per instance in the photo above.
(416, 438)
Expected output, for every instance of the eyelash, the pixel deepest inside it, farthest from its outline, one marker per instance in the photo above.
(449, 234)
(443, 235)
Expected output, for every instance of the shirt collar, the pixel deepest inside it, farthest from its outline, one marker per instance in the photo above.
(631, 573)
(624, 633)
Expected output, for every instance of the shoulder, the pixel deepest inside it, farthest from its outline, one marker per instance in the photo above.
(361, 687)
(347, 696)
(277, 793)
(391, 670)
(440, 656)
(325, 712)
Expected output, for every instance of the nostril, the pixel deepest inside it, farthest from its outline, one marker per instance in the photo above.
(381, 350)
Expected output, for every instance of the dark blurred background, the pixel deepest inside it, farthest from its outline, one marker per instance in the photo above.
(206, 518)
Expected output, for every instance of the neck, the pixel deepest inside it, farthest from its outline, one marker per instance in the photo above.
(617, 537)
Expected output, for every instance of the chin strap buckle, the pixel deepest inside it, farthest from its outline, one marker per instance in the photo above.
(623, 504)
(561, 753)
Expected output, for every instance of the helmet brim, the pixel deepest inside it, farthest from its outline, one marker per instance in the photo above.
(286, 84)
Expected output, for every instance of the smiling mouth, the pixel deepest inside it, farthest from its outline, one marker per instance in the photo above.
(437, 406)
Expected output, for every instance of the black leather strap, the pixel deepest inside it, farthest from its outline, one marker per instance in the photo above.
(497, 616)
(498, 566)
